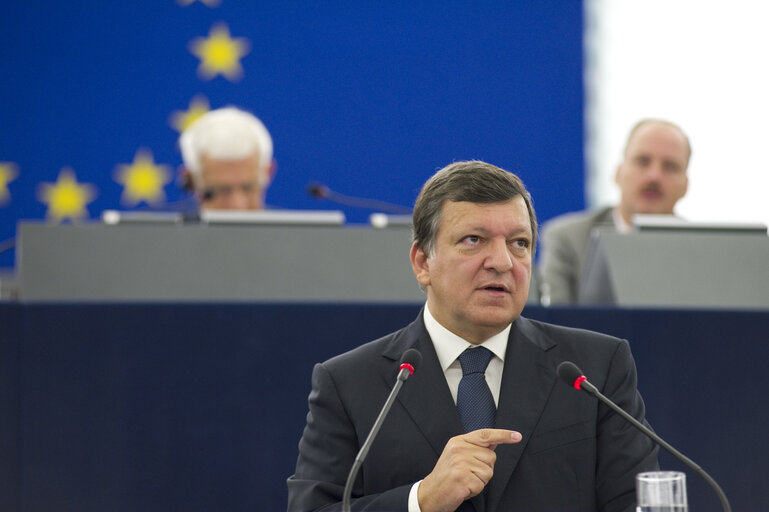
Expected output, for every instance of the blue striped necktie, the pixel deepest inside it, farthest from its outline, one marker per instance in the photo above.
(474, 401)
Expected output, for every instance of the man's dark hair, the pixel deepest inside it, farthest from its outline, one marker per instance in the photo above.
(472, 181)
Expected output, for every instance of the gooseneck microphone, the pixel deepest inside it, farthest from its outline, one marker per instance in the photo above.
(573, 376)
(409, 362)
(321, 191)
(7, 245)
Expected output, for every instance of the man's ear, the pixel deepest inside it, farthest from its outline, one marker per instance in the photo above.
(185, 180)
(420, 264)
(271, 170)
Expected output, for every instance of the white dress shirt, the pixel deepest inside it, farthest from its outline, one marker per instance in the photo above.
(448, 346)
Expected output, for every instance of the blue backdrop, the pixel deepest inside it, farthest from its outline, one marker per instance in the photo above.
(369, 99)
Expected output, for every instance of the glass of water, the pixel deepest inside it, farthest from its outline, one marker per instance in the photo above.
(661, 491)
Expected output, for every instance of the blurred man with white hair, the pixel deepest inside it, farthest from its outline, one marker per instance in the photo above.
(228, 160)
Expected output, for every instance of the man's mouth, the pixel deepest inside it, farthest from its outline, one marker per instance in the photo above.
(495, 288)
(651, 193)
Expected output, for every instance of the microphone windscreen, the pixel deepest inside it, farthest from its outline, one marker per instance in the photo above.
(317, 190)
(413, 357)
(569, 372)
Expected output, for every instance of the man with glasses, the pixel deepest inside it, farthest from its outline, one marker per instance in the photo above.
(228, 160)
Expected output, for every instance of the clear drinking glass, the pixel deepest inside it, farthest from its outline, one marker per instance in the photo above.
(661, 491)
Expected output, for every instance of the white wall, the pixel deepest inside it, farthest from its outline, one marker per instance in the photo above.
(702, 64)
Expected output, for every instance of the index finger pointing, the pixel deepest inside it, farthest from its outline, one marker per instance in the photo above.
(487, 437)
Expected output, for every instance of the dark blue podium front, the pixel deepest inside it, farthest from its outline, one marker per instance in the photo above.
(199, 407)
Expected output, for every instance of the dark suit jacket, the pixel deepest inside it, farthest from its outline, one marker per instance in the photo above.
(576, 455)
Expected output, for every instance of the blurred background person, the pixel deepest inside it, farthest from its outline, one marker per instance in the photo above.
(652, 178)
(228, 161)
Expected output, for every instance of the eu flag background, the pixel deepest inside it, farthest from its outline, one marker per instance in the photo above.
(367, 98)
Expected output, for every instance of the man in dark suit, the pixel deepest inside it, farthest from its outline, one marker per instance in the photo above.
(544, 447)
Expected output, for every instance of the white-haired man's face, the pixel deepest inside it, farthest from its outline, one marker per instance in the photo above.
(233, 184)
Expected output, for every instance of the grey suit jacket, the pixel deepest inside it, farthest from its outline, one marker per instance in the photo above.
(576, 455)
(564, 243)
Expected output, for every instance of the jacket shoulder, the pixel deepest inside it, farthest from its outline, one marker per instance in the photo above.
(575, 220)
(564, 336)
(390, 347)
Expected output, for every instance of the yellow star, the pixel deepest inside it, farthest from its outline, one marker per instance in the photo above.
(142, 180)
(66, 198)
(8, 173)
(180, 119)
(219, 54)
(210, 3)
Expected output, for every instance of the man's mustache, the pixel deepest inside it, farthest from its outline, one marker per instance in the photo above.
(653, 187)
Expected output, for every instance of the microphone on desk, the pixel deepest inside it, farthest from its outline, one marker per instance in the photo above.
(321, 191)
(573, 376)
(7, 245)
(409, 362)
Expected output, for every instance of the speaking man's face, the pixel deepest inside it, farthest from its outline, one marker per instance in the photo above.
(477, 280)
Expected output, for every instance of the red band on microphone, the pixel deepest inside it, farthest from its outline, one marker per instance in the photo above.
(408, 367)
(578, 382)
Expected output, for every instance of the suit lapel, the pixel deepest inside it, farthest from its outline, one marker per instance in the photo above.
(425, 396)
(527, 382)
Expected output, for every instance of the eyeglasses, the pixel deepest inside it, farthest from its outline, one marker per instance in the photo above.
(220, 191)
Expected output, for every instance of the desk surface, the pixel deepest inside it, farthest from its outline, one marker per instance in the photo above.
(677, 269)
(189, 262)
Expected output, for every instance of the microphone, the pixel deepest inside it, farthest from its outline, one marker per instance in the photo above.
(7, 245)
(321, 191)
(573, 376)
(409, 361)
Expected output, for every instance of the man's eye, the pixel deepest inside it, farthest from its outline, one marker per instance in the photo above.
(212, 192)
(521, 243)
(643, 161)
(472, 239)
